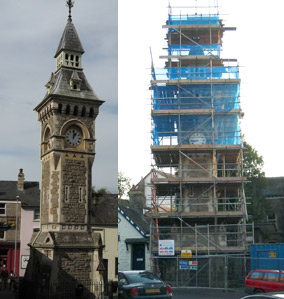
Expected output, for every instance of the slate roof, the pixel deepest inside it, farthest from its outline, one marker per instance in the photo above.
(104, 212)
(137, 217)
(70, 40)
(29, 197)
(274, 187)
(62, 85)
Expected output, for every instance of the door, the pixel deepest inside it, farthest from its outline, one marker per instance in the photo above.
(138, 257)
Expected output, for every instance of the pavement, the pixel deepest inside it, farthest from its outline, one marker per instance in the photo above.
(6, 294)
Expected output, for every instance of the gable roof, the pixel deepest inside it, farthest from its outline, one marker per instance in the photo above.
(29, 197)
(136, 219)
(274, 187)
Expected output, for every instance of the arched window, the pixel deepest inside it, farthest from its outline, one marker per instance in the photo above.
(67, 110)
(83, 111)
(91, 112)
(59, 110)
(75, 111)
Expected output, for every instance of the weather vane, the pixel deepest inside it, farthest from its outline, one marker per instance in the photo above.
(70, 4)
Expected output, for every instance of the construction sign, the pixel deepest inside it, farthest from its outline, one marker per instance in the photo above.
(186, 254)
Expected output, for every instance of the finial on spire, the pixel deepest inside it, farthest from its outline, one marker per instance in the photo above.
(70, 4)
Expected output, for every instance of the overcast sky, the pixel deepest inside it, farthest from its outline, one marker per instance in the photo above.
(29, 36)
(257, 44)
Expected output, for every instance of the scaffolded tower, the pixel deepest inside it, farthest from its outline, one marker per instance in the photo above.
(196, 138)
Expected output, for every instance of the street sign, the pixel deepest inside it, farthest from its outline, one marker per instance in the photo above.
(101, 266)
(192, 268)
(193, 263)
(186, 254)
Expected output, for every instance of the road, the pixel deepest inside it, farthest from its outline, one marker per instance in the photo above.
(195, 293)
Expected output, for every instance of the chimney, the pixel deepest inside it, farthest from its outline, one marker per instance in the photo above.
(21, 178)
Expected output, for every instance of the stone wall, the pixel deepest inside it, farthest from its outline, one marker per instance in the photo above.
(75, 264)
(74, 207)
(45, 191)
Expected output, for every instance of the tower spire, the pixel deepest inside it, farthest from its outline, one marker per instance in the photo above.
(70, 4)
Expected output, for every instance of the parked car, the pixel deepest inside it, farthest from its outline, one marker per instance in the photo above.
(142, 284)
(265, 296)
(260, 281)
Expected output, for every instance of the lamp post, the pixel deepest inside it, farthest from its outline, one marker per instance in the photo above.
(16, 231)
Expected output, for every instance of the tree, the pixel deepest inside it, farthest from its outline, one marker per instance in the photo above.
(124, 185)
(253, 163)
(101, 191)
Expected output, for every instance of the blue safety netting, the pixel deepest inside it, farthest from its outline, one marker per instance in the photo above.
(196, 129)
(223, 97)
(203, 49)
(196, 73)
(193, 20)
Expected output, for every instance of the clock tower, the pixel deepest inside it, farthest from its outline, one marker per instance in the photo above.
(65, 250)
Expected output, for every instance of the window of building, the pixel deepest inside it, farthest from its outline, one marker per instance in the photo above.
(116, 266)
(91, 112)
(271, 217)
(66, 193)
(2, 235)
(67, 112)
(59, 110)
(2, 209)
(37, 214)
(83, 111)
(80, 194)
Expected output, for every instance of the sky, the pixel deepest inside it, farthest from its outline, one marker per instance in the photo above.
(30, 34)
(256, 44)
(31, 31)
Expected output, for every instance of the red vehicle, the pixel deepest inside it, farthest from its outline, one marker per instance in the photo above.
(260, 281)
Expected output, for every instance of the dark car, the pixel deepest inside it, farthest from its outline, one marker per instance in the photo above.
(274, 295)
(142, 285)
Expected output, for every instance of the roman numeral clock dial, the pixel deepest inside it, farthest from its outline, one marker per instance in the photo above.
(73, 137)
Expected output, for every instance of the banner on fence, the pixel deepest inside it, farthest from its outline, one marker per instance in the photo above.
(167, 247)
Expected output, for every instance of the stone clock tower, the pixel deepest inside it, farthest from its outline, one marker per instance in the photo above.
(65, 250)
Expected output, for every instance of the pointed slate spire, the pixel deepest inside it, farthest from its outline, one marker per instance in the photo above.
(70, 40)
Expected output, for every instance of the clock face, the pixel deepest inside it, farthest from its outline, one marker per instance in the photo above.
(73, 137)
(197, 138)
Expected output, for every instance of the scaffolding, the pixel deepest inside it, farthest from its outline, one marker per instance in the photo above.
(199, 202)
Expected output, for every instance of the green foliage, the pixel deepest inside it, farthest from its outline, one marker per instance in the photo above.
(101, 191)
(253, 163)
(124, 185)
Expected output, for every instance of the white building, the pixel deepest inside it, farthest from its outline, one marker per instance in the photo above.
(133, 240)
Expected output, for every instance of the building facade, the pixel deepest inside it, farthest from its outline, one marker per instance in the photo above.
(133, 240)
(23, 221)
(104, 221)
